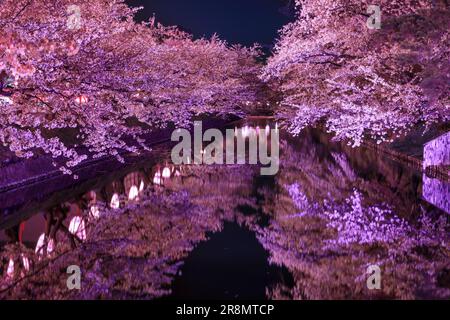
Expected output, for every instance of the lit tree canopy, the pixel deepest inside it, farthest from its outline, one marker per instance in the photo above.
(329, 64)
(87, 66)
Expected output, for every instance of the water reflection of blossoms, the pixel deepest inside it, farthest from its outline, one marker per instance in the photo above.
(339, 210)
(364, 224)
(328, 245)
(354, 222)
(325, 220)
(127, 246)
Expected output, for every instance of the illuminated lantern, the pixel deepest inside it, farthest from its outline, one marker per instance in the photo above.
(157, 178)
(95, 212)
(115, 201)
(166, 173)
(40, 245)
(10, 269)
(81, 99)
(77, 227)
(25, 262)
(133, 194)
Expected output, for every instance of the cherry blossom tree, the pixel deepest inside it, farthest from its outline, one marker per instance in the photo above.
(363, 82)
(91, 84)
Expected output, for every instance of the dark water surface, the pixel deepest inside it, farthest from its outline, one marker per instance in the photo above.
(232, 264)
(148, 229)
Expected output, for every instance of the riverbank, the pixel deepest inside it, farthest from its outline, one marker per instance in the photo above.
(16, 172)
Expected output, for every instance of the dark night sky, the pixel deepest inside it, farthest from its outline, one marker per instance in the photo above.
(237, 21)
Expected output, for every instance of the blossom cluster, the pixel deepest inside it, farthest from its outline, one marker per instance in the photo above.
(102, 86)
(363, 83)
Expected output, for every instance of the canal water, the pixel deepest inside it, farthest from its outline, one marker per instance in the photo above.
(333, 223)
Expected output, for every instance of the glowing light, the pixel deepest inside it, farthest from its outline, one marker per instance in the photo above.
(25, 262)
(77, 227)
(10, 269)
(245, 131)
(134, 193)
(157, 178)
(166, 172)
(115, 201)
(6, 99)
(40, 245)
(267, 130)
(141, 186)
(81, 99)
(95, 212)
